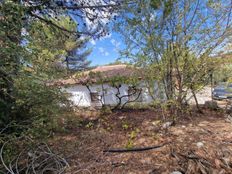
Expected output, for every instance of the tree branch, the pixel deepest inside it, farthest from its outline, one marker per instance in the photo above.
(90, 6)
(57, 26)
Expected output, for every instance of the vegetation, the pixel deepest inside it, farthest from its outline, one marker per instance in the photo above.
(76, 60)
(116, 83)
(171, 41)
(35, 38)
(223, 74)
(26, 97)
(177, 44)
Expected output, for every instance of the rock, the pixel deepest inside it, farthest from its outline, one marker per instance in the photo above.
(229, 119)
(156, 123)
(200, 144)
(211, 104)
(167, 124)
(229, 110)
(226, 161)
(176, 172)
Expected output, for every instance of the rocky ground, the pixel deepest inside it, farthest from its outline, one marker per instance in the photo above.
(197, 143)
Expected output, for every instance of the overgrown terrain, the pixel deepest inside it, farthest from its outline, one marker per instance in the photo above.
(179, 48)
(197, 143)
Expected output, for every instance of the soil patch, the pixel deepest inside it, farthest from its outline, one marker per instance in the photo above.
(197, 143)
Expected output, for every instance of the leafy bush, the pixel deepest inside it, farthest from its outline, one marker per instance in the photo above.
(27, 103)
(138, 105)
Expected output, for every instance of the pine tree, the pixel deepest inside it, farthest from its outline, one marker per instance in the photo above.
(76, 59)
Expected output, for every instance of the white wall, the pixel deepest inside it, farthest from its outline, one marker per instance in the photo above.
(80, 94)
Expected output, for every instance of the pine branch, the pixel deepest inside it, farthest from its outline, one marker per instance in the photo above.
(49, 22)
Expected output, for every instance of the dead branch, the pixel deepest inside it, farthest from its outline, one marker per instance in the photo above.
(120, 98)
(129, 101)
(36, 159)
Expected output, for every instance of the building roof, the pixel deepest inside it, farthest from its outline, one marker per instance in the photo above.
(98, 73)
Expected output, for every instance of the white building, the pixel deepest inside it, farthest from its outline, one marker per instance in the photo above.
(86, 91)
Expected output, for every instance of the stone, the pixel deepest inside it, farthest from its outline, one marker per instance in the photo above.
(200, 144)
(211, 104)
(156, 123)
(229, 119)
(167, 124)
(176, 172)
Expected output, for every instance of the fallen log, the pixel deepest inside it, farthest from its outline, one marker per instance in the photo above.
(137, 149)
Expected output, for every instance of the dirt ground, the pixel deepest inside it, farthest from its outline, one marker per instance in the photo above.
(197, 143)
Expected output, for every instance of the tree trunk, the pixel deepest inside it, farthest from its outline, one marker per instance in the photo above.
(196, 101)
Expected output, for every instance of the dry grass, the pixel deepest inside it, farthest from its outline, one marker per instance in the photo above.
(83, 144)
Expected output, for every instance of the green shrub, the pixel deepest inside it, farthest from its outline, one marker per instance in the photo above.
(106, 110)
(137, 105)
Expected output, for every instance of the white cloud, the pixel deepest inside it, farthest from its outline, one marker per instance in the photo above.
(93, 42)
(103, 51)
(116, 44)
(113, 41)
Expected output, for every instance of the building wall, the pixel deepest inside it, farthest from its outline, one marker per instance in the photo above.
(80, 95)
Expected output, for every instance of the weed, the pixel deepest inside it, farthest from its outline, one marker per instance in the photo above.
(125, 125)
(89, 125)
(133, 134)
(106, 110)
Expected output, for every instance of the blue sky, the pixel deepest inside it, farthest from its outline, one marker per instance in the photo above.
(105, 50)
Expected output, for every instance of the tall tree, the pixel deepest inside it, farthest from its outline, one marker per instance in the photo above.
(176, 38)
(91, 15)
(41, 24)
(76, 59)
(26, 101)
